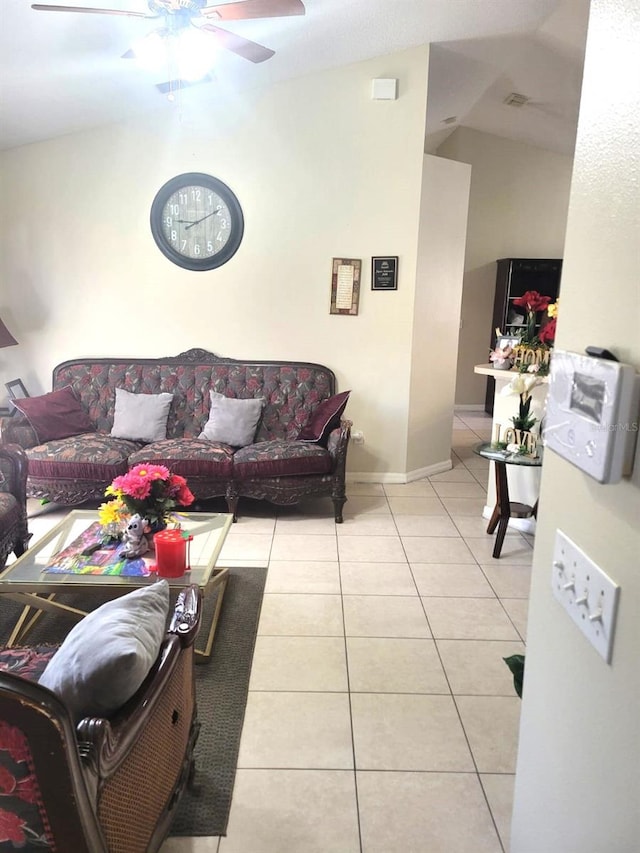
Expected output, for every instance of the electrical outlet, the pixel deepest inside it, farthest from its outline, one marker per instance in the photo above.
(588, 595)
(357, 436)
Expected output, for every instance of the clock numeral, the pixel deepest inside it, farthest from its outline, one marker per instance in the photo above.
(174, 235)
(183, 245)
(196, 248)
(209, 246)
(168, 221)
(184, 198)
(210, 201)
(196, 194)
(174, 209)
(223, 224)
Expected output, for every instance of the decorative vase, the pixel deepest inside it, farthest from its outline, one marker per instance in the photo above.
(505, 364)
(157, 526)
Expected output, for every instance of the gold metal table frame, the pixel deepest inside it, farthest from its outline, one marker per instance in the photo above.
(26, 582)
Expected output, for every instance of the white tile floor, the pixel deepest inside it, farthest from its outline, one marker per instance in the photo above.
(381, 717)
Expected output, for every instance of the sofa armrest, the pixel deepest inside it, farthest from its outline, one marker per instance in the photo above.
(105, 744)
(13, 471)
(17, 430)
(339, 442)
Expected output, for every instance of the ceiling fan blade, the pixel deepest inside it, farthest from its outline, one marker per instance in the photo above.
(171, 86)
(243, 47)
(254, 9)
(39, 7)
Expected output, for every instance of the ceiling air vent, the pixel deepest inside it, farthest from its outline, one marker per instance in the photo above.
(516, 100)
(450, 120)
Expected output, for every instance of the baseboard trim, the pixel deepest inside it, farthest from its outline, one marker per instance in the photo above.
(468, 407)
(524, 525)
(409, 477)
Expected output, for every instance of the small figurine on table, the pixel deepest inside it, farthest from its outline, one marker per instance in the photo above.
(134, 539)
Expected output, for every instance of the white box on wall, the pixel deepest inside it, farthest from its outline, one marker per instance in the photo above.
(384, 89)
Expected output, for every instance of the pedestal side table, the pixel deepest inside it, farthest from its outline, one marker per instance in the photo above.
(504, 508)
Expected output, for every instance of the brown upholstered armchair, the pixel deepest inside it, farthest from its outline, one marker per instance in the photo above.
(108, 785)
(14, 535)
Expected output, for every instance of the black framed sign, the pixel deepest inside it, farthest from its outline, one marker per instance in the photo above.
(384, 273)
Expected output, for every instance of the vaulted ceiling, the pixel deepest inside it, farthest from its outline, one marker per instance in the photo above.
(64, 72)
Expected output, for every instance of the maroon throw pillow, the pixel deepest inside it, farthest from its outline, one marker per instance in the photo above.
(55, 415)
(324, 419)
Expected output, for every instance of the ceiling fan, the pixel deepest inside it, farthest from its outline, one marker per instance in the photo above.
(179, 15)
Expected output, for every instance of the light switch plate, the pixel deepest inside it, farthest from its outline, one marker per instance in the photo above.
(588, 595)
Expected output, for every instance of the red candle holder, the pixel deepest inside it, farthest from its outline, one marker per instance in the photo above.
(171, 553)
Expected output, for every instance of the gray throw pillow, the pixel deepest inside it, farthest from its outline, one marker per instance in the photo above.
(141, 417)
(232, 421)
(106, 657)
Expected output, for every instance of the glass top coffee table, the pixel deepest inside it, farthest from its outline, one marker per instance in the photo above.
(27, 582)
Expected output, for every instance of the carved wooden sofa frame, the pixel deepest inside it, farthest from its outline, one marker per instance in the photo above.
(74, 470)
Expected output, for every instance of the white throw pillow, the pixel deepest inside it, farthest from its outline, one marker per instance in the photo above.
(232, 421)
(106, 657)
(141, 417)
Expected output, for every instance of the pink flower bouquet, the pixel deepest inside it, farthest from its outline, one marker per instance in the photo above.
(152, 491)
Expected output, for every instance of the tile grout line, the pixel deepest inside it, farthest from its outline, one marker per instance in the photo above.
(353, 740)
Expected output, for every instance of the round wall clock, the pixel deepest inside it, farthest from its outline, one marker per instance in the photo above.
(197, 221)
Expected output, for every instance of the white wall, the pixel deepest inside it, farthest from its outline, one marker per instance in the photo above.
(517, 209)
(320, 169)
(578, 773)
(436, 316)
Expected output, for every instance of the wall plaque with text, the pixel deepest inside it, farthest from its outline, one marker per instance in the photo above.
(384, 273)
(345, 286)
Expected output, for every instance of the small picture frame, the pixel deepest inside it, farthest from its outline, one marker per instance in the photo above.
(345, 285)
(503, 341)
(17, 391)
(384, 272)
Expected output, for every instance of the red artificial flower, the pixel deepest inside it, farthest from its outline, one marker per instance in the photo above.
(532, 301)
(185, 496)
(178, 489)
(547, 333)
(175, 483)
(11, 828)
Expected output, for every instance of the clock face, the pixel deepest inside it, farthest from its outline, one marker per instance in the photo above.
(197, 221)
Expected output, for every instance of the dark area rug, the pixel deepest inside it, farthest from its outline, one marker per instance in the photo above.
(221, 688)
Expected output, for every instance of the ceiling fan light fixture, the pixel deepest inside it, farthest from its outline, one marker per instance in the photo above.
(194, 54)
(187, 54)
(150, 52)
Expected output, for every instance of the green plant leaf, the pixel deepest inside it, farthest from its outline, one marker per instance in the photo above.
(516, 665)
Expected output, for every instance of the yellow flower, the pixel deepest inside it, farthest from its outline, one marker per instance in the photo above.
(111, 491)
(110, 512)
(552, 310)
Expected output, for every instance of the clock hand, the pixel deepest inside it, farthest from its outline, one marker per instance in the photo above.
(198, 221)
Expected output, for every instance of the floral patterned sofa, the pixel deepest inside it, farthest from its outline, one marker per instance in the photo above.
(277, 467)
